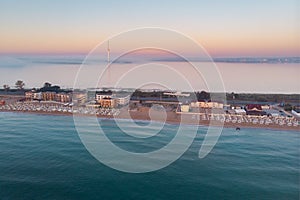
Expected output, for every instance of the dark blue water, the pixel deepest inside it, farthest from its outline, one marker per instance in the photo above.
(42, 157)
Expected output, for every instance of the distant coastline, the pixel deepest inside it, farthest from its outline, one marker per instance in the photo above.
(269, 60)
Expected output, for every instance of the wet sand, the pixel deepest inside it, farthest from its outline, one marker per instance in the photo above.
(147, 114)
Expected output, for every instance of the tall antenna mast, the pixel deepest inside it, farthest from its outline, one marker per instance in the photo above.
(108, 52)
(108, 62)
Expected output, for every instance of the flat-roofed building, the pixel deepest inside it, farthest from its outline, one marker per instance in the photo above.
(185, 108)
(48, 96)
(123, 100)
(107, 99)
(107, 103)
(79, 97)
(104, 95)
(63, 97)
(29, 95)
(37, 96)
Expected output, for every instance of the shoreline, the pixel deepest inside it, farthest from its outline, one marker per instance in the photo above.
(171, 118)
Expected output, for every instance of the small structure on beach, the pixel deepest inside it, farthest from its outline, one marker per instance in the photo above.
(2, 102)
(254, 109)
(272, 112)
(240, 111)
(296, 112)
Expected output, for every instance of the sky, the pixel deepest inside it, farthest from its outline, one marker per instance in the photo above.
(228, 28)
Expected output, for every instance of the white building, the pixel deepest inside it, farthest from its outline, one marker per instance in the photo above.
(178, 94)
(37, 96)
(185, 108)
(79, 98)
(100, 96)
(123, 100)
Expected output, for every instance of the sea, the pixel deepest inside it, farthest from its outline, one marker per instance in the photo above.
(73, 71)
(42, 157)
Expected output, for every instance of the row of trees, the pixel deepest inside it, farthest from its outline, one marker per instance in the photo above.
(19, 85)
(47, 87)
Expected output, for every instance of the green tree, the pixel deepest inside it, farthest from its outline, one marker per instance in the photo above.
(6, 87)
(20, 85)
(203, 95)
(47, 85)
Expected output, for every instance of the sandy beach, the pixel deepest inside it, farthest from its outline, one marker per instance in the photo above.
(147, 114)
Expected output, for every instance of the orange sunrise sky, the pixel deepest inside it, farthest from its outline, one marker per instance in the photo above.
(223, 28)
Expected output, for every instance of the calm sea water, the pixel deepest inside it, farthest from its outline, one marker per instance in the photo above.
(62, 70)
(42, 157)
